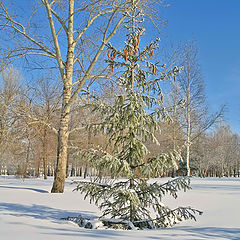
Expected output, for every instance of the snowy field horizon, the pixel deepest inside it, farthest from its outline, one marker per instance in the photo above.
(29, 211)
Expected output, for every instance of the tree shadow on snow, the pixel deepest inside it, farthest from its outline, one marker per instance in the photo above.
(40, 211)
(210, 187)
(82, 233)
(53, 214)
(212, 232)
(162, 234)
(26, 188)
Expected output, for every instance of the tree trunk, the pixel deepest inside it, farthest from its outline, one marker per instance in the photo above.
(85, 171)
(132, 210)
(67, 166)
(188, 127)
(37, 173)
(25, 170)
(45, 152)
(62, 150)
(60, 172)
(188, 160)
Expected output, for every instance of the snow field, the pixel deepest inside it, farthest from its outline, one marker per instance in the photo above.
(28, 211)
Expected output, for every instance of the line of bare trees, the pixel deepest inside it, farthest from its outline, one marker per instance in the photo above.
(28, 144)
(29, 115)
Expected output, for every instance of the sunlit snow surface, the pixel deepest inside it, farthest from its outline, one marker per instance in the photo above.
(28, 211)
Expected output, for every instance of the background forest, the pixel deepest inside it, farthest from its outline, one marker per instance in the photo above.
(28, 143)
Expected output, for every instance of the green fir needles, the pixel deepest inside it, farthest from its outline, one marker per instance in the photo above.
(130, 199)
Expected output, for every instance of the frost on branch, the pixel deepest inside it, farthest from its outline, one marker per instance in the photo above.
(129, 200)
(118, 200)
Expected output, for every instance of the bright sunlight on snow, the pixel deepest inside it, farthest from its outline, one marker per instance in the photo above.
(28, 211)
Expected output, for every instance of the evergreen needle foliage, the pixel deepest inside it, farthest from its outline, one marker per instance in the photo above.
(131, 121)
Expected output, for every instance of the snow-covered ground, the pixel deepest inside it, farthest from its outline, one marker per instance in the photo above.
(28, 211)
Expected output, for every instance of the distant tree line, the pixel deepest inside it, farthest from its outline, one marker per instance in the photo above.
(28, 141)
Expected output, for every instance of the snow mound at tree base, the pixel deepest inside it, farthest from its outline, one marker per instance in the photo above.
(106, 223)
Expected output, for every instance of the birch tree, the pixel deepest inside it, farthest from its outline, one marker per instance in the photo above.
(70, 24)
(192, 87)
(196, 118)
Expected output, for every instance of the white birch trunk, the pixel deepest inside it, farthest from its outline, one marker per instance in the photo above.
(62, 151)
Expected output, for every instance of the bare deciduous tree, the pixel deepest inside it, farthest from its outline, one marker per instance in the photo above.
(9, 96)
(62, 50)
(45, 109)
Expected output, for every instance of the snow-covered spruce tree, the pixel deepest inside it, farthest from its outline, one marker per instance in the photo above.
(130, 122)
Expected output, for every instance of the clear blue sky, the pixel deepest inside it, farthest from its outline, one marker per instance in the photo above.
(215, 25)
